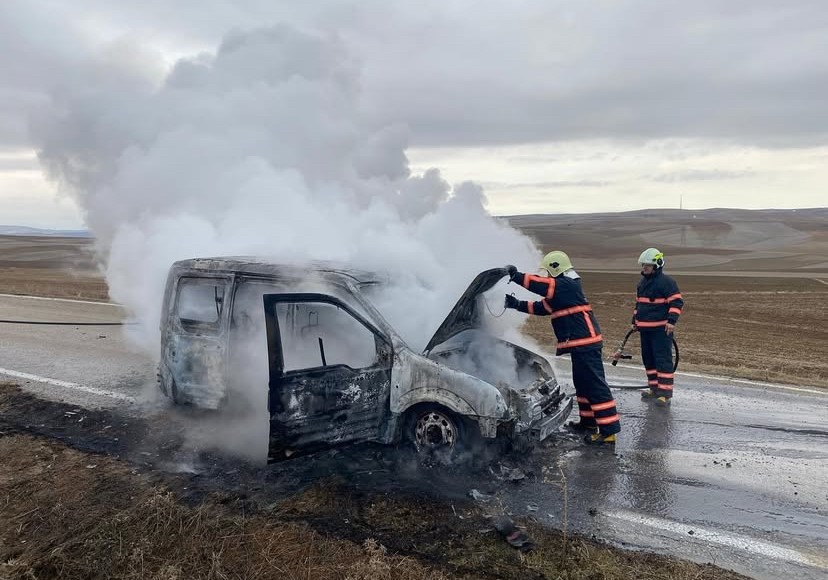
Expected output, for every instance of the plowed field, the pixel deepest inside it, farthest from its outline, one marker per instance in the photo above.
(772, 329)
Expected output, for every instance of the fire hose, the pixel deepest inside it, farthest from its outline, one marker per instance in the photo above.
(61, 323)
(619, 354)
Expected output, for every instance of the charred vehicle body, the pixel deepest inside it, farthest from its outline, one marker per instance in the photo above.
(335, 369)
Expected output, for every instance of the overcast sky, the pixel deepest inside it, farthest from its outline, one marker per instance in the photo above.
(552, 106)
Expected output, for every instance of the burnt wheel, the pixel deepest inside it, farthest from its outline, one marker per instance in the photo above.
(435, 429)
(439, 435)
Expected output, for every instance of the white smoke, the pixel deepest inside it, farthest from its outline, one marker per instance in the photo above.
(263, 148)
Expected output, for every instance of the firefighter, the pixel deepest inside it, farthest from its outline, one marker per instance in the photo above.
(658, 306)
(578, 334)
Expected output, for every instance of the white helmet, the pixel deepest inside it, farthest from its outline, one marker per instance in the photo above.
(653, 257)
(556, 263)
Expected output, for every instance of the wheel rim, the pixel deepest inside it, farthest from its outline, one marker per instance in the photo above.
(433, 430)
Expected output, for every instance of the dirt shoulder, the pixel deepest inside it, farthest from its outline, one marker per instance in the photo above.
(66, 512)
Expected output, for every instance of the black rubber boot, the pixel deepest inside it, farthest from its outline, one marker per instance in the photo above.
(581, 427)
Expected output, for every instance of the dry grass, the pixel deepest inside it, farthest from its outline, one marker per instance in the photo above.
(64, 514)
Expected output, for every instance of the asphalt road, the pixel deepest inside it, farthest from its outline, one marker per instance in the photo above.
(93, 366)
(734, 473)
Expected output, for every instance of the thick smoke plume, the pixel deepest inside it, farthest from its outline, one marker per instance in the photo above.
(263, 148)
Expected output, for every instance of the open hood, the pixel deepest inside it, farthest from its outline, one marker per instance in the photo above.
(465, 314)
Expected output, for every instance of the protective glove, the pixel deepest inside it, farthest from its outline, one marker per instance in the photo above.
(512, 272)
(511, 302)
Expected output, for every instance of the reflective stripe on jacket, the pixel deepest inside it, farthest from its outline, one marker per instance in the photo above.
(658, 301)
(573, 321)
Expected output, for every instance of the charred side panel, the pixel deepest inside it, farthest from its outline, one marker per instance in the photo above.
(194, 341)
(330, 373)
(197, 368)
(328, 406)
(419, 380)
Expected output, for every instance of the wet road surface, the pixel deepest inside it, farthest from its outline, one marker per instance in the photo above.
(733, 473)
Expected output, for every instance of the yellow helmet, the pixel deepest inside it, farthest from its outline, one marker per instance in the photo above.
(556, 263)
(651, 256)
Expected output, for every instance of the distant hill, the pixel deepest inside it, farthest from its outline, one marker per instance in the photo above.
(716, 239)
(27, 231)
(709, 240)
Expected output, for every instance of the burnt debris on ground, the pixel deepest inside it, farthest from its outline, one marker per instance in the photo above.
(90, 493)
(158, 443)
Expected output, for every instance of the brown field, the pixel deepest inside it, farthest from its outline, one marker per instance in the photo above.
(770, 329)
(756, 327)
(55, 284)
(55, 267)
(755, 283)
(720, 240)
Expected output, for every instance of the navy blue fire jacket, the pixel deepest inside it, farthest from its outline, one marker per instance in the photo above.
(658, 301)
(573, 321)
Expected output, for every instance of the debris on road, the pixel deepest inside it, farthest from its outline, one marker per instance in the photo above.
(510, 473)
(477, 496)
(516, 537)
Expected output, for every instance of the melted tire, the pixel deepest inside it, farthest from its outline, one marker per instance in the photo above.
(439, 436)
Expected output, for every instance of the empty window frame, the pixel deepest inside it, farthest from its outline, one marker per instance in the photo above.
(319, 334)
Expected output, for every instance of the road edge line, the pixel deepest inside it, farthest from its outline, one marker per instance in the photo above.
(67, 385)
(750, 382)
(51, 299)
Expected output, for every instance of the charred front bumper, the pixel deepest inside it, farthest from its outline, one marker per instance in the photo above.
(541, 408)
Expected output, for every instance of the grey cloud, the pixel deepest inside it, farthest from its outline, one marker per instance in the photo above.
(548, 184)
(14, 108)
(18, 164)
(466, 73)
(636, 70)
(701, 175)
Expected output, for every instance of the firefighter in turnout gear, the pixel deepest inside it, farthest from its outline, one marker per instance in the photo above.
(578, 334)
(658, 306)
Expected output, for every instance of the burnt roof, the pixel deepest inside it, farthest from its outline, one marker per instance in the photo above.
(257, 266)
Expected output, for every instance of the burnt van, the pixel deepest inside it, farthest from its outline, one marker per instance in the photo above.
(335, 371)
